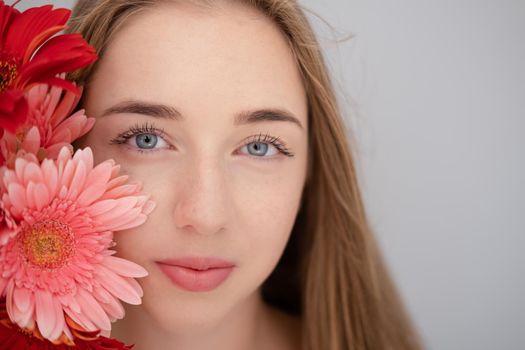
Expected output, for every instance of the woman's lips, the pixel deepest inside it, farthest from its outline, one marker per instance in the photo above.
(196, 274)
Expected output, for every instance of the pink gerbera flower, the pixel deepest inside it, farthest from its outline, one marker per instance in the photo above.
(50, 125)
(59, 265)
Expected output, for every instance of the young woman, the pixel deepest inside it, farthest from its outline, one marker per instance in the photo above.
(225, 112)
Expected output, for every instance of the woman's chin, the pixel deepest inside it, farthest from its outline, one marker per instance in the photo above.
(183, 312)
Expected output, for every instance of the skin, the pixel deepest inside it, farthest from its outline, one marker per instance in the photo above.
(215, 194)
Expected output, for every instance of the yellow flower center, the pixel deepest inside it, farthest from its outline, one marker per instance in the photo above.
(8, 73)
(47, 244)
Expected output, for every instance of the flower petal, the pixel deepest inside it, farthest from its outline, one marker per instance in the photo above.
(124, 267)
(17, 195)
(63, 53)
(22, 298)
(60, 322)
(92, 309)
(45, 313)
(118, 286)
(32, 22)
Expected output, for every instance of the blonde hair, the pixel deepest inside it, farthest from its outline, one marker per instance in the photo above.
(331, 272)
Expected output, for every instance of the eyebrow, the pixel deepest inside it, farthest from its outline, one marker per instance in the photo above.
(167, 112)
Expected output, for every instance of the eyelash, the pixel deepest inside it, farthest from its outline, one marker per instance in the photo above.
(148, 128)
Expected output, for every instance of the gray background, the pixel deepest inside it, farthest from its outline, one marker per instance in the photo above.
(435, 93)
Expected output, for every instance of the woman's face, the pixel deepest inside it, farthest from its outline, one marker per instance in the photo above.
(206, 108)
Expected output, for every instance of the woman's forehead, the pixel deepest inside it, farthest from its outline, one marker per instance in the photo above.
(177, 53)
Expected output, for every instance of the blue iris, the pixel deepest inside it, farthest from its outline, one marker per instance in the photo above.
(146, 141)
(259, 148)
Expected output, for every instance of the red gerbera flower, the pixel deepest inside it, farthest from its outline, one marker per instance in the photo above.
(28, 56)
(13, 337)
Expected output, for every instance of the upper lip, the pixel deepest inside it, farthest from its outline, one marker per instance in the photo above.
(198, 263)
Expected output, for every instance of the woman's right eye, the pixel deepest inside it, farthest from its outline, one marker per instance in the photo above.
(143, 138)
(146, 141)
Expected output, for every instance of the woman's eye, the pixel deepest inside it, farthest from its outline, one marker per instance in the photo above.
(142, 138)
(147, 141)
(260, 149)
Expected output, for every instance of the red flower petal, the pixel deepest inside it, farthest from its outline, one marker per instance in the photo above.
(39, 40)
(13, 109)
(7, 14)
(64, 84)
(27, 48)
(63, 53)
(29, 24)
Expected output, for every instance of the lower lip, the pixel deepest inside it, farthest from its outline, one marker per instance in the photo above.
(196, 280)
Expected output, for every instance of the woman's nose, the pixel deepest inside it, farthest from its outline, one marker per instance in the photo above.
(202, 203)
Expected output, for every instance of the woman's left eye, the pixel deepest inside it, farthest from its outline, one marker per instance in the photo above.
(259, 145)
(260, 149)
(265, 147)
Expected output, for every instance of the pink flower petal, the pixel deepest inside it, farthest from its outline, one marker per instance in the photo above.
(136, 285)
(60, 321)
(100, 174)
(81, 319)
(22, 298)
(54, 150)
(129, 221)
(124, 267)
(30, 197)
(66, 175)
(45, 313)
(31, 141)
(123, 205)
(41, 196)
(50, 174)
(101, 207)
(92, 309)
(114, 308)
(17, 195)
(27, 317)
(79, 177)
(149, 206)
(69, 301)
(122, 191)
(118, 286)
(20, 164)
(85, 156)
(91, 194)
(101, 294)
(66, 105)
(33, 173)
